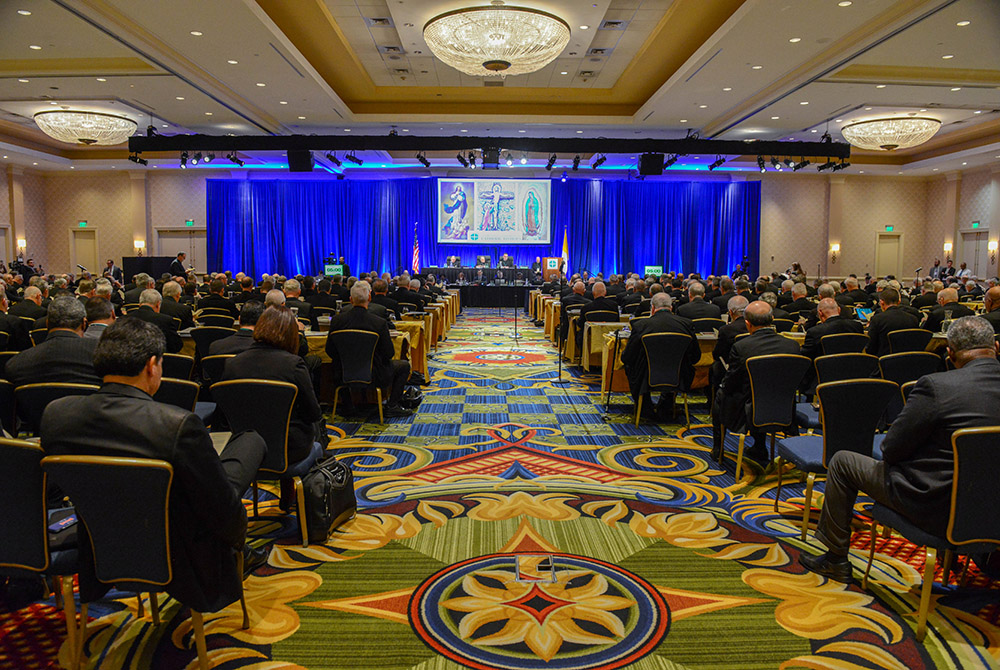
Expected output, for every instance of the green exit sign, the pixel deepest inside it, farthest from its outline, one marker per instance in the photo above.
(975, 224)
(82, 224)
(889, 229)
(189, 222)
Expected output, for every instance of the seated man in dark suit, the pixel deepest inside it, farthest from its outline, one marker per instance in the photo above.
(302, 309)
(800, 304)
(385, 369)
(216, 300)
(570, 304)
(142, 282)
(927, 297)
(915, 474)
(727, 337)
(830, 323)
(948, 307)
(246, 293)
(727, 290)
(149, 311)
(338, 289)
(408, 294)
(241, 340)
(16, 329)
(172, 307)
(892, 317)
(30, 305)
(696, 307)
(206, 514)
(600, 303)
(732, 401)
(505, 262)
(991, 307)
(100, 315)
(381, 298)
(433, 287)
(323, 296)
(634, 356)
(64, 356)
(858, 295)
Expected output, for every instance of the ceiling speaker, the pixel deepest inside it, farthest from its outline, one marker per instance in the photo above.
(651, 164)
(300, 160)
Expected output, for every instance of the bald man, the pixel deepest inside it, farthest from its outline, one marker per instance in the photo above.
(991, 304)
(830, 323)
(733, 396)
(947, 302)
(574, 299)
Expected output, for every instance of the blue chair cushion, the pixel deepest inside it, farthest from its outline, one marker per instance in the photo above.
(302, 467)
(877, 446)
(805, 451)
(204, 410)
(807, 416)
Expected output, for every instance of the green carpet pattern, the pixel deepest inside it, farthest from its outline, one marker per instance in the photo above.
(521, 521)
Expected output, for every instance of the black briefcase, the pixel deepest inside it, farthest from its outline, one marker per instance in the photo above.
(329, 498)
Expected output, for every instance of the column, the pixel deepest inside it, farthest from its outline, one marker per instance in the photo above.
(834, 226)
(952, 199)
(137, 210)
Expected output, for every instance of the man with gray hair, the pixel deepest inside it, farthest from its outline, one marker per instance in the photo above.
(65, 355)
(30, 306)
(171, 305)
(634, 360)
(914, 476)
(142, 282)
(385, 369)
(830, 323)
(150, 302)
(293, 300)
(697, 307)
(948, 308)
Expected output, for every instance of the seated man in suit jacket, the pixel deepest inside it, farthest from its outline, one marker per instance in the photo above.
(381, 287)
(302, 309)
(323, 296)
(149, 311)
(830, 323)
(385, 369)
(991, 307)
(216, 300)
(634, 356)
(727, 338)
(600, 303)
(16, 329)
(915, 474)
(241, 340)
(947, 302)
(892, 317)
(207, 518)
(30, 306)
(800, 303)
(732, 401)
(171, 305)
(570, 303)
(696, 307)
(65, 355)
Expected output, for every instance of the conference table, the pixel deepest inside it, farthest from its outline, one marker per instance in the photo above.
(491, 295)
(450, 275)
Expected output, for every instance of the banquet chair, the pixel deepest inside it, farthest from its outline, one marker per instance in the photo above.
(4, 339)
(183, 393)
(8, 417)
(32, 399)
(124, 504)
(665, 354)
(356, 349)
(218, 320)
(4, 357)
(833, 368)
(783, 325)
(38, 336)
(909, 339)
(213, 311)
(212, 367)
(843, 343)
(973, 525)
(265, 406)
(203, 337)
(850, 411)
(707, 325)
(178, 366)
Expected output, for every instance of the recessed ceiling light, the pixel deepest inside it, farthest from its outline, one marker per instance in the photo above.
(564, 72)
(197, 33)
(302, 118)
(165, 125)
(522, 131)
(775, 118)
(861, 171)
(962, 24)
(880, 86)
(101, 79)
(813, 131)
(728, 88)
(37, 163)
(978, 111)
(53, 102)
(702, 106)
(795, 40)
(956, 88)
(464, 130)
(347, 130)
(261, 84)
(35, 47)
(406, 130)
(179, 97)
(24, 81)
(233, 62)
(282, 102)
(584, 27)
(25, 12)
(947, 56)
(756, 67)
(804, 102)
(934, 170)
(845, 3)
(837, 120)
(73, 168)
(208, 113)
(684, 120)
(868, 109)
(923, 110)
(963, 163)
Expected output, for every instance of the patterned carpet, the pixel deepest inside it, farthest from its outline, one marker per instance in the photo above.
(519, 522)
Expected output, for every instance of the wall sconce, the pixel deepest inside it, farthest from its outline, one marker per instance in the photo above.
(992, 246)
(139, 246)
(947, 251)
(21, 245)
(834, 250)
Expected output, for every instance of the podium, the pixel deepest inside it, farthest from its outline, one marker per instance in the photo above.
(551, 267)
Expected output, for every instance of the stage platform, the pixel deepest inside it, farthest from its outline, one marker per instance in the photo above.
(493, 296)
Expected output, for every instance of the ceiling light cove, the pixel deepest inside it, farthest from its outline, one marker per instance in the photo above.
(498, 40)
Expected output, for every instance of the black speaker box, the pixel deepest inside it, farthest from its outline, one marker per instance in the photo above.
(300, 160)
(651, 164)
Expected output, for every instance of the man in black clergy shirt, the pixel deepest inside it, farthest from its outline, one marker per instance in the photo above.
(991, 305)
(947, 302)
(216, 300)
(830, 323)
(380, 287)
(241, 340)
(914, 476)
(505, 262)
(385, 369)
(634, 356)
(323, 296)
(574, 300)
(696, 307)
(892, 317)
(177, 265)
(149, 311)
(207, 518)
(65, 355)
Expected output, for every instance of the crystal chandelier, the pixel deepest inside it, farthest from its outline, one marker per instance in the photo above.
(496, 40)
(891, 133)
(77, 127)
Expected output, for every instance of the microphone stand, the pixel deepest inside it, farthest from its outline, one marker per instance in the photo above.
(614, 359)
(562, 279)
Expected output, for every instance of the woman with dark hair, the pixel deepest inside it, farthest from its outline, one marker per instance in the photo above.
(274, 356)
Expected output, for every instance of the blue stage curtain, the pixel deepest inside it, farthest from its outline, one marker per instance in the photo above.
(289, 226)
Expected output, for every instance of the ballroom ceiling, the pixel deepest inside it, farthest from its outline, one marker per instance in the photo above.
(727, 69)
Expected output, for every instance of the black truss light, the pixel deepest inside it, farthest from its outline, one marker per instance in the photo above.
(354, 159)
(472, 160)
(761, 165)
(135, 159)
(333, 159)
(551, 162)
(801, 164)
(719, 161)
(423, 160)
(184, 160)
(775, 163)
(670, 161)
(599, 161)
(576, 162)
(463, 160)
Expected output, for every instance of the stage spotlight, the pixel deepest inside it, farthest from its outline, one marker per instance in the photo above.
(354, 159)
(719, 160)
(461, 159)
(760, 164)
(196, 158)
(671, 160)
(472, 160)
(209, 158)
(827, 165)
(234, 159)
(524, 159)
(333, 159)
(552, 161)
(563, 178)
(775, 164)
(509, 160)
(135, 159)
(801, 164)
(151, 131)
(599, 162)
(789, 162)
(423, 160)
(184, 160)
(576, 162)
(843, 165)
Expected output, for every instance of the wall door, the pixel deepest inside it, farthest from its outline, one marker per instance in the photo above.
(974, 252)
(888, 254)
(193, 242)
(5, 251)
(84, 250)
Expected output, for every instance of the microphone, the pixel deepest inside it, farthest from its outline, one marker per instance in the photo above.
(82, 268)
(918, 270)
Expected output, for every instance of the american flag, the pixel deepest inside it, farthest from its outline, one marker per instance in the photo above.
(416, 250)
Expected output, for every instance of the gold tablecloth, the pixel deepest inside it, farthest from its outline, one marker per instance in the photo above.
(317, 345)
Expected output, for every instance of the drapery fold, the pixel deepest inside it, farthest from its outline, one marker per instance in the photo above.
(290, 226)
